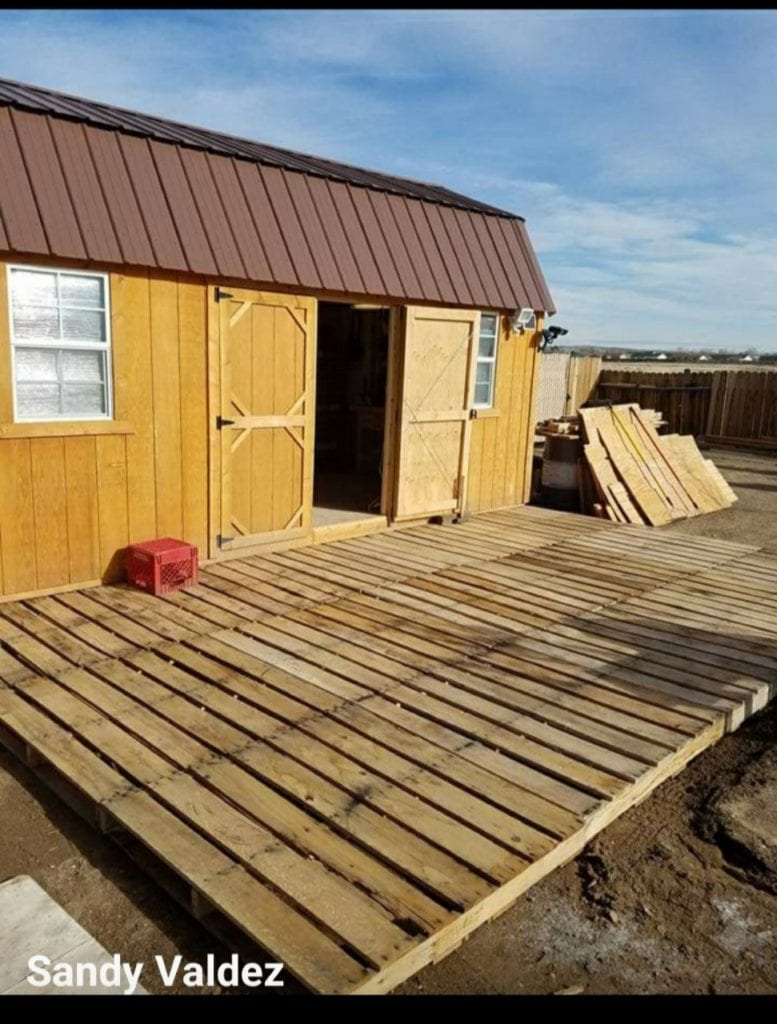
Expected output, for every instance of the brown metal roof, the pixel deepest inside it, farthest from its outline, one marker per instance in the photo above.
(86, 181)
(103, 115)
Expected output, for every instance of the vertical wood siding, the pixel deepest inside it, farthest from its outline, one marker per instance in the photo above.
(503, 438)
(71, 502)
(69, 505)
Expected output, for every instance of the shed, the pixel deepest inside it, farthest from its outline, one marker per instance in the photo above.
(244, 346)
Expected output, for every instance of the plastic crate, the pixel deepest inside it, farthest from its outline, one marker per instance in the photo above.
(160, 566)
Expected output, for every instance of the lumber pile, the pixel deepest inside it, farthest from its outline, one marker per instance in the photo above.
(640, 476)
(563, 425)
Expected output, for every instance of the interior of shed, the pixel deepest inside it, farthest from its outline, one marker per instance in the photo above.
(351, 373)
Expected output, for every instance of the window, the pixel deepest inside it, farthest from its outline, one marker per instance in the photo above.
(61, 345)
(486, 364)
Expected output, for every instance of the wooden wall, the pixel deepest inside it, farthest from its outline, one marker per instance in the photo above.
(74, 495)
(503, 437)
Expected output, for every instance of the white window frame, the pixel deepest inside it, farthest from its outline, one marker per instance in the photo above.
(488, 361)
(58, 344)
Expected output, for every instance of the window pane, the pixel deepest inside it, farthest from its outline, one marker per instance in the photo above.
(487, 346)
(31, 323)
(36, 364)
(76, 290)
(34, 286)
(482, 394)
(55, 317)
(484, 371)
(488, 323)
(83, 399)
(36, 401)
(82, 325)
(84, 367)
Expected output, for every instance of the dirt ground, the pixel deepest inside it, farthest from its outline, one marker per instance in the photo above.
(679, 895)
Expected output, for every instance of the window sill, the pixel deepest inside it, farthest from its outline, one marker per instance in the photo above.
(485, 414)
(87, 428)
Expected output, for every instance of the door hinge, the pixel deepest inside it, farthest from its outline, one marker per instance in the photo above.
(221, 540)
(222, 422)
(221, 294)
(473, 414)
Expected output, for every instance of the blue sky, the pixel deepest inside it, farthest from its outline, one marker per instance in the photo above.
(640, 146)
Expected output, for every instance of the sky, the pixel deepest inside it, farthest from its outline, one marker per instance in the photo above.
(640, 146)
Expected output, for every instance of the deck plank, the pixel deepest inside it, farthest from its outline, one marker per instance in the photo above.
(360, 751)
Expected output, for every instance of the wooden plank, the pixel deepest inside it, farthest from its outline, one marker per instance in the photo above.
(308, 954)
(166, 391)
(306, 883)
(112, 505)
(514, 736)
(279, 762)
(111, 618)
(449, 938)
(17, 518)
(383, 739)
(584, 720)
(83, 532)
(134, 396)
(652, 504)
(50, 504)
(642, 437)
(193, 412)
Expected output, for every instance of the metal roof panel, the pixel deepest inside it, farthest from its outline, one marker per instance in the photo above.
(84, 180)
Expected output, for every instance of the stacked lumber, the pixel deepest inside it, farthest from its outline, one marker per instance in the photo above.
(640, 476)
(565, 425)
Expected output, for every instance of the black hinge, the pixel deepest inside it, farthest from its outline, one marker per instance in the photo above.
(221, 422)
(221, 294)
(473, 414)
(221, 540)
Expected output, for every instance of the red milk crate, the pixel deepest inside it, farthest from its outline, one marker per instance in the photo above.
(160, 566)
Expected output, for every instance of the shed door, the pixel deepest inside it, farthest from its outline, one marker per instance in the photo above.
(437, 387)
(267, 358)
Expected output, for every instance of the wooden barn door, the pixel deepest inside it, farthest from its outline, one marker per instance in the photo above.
(265, 423)
(437, 383)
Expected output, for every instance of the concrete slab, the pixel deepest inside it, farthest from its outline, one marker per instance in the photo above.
(35, 925)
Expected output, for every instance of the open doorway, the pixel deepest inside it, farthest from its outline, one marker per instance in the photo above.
(351, 374)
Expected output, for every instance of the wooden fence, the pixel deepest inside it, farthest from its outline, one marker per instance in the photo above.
(720, 403)
(566, 383)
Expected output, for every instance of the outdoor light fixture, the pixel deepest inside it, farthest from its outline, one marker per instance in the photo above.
(522, 320)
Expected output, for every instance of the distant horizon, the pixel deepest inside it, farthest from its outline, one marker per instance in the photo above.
(645, 347)
(658, 347)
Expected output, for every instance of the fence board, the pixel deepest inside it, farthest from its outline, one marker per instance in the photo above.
(720, 403)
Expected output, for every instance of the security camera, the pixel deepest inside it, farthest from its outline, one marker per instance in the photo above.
(556, 332)
(550, 334)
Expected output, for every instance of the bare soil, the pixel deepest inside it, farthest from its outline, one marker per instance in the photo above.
(679, 895)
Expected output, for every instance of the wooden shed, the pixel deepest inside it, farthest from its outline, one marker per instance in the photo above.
(242, 346)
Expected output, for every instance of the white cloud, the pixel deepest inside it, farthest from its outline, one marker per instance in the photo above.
(639, 145)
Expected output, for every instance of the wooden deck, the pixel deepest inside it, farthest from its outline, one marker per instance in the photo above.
(359, 752)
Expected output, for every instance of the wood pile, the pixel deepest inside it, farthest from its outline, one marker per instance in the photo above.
(563, 425)
(640, 476)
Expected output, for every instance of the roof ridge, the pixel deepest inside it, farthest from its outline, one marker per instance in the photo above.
(35, 97)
